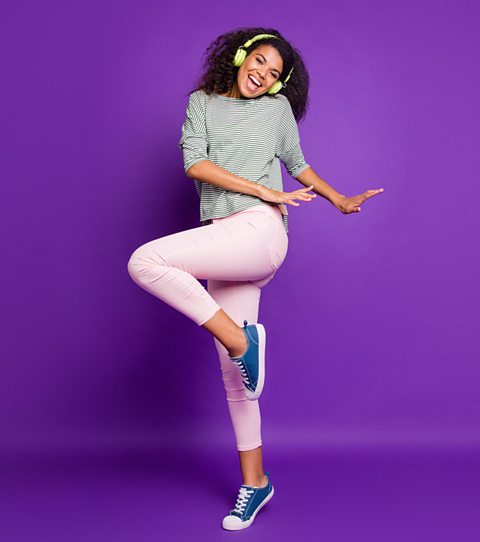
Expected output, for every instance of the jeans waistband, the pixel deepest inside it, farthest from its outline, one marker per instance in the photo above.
(261, 207)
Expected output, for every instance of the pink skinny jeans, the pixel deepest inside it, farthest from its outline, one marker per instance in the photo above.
(237, 255)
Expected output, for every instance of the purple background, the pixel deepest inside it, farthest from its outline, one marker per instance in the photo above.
(111, 403)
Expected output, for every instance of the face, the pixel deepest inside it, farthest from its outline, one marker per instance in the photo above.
(264, 65)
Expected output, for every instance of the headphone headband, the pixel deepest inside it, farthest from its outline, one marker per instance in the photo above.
(247, 44)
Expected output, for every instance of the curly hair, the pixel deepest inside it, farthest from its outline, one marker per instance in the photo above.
(219, 73)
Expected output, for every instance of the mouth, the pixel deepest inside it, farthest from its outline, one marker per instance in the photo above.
(253, 83)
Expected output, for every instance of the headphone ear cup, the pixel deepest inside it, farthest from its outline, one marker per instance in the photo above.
(240, 56)
(275, 87)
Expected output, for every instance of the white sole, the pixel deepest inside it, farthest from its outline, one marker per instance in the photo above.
(262, 343)
(247, 523)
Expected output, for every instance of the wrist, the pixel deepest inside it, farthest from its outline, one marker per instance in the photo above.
(260, 191)
(335, 199)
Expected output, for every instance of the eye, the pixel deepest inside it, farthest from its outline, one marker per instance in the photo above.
(258, 59)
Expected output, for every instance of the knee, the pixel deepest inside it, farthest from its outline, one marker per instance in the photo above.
(135, 263)
(142, 261)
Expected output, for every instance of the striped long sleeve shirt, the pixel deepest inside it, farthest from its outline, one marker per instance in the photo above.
(246, 137)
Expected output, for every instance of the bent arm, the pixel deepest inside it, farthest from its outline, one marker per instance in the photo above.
(208, 172)
(308, 177)
(194, 144)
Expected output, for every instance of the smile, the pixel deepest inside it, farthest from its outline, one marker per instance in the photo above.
(253, 83)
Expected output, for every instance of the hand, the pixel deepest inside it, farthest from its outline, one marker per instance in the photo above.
(268, 194)
(351, 204)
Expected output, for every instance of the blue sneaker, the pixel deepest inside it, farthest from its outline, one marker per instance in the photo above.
(252, 362)
(249, 501)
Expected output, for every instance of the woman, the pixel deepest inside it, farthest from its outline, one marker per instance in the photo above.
(240, 121)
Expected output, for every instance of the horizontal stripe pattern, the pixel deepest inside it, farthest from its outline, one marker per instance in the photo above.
(247, 137)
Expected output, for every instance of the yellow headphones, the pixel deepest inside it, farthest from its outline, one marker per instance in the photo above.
(241, 54)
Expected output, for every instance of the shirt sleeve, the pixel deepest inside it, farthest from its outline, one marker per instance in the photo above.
(288, 144)
(193, 140)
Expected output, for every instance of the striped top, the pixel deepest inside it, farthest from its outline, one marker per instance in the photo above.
(246, 137)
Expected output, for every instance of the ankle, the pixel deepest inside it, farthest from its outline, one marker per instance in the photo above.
(262, 481)
(240, 345)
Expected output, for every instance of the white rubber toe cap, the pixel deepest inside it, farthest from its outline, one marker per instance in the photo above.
(234, 523)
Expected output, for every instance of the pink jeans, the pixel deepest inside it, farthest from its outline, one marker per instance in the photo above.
(237, 255)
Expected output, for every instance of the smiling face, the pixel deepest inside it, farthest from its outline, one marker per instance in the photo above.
(260, 69)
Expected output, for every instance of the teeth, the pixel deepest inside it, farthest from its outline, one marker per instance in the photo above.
(254, 80)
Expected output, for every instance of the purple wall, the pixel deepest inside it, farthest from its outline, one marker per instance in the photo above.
(375, 313)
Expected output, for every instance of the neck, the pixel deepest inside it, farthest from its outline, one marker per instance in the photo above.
(234, 92)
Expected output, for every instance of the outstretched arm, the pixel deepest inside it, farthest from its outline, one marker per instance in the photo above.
(290, 152)
(308, 177)
(345, 204)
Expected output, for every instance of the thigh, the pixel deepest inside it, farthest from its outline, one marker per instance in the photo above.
(234, 248)
(240, 300)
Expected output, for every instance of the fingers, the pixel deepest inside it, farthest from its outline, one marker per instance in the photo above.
(304, 197)
(288, 200)
(292, 197)
(374, 192)
(306, 189)
(302, 193)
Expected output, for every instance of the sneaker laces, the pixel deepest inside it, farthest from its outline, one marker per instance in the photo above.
(242, 499)
(239, 363)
